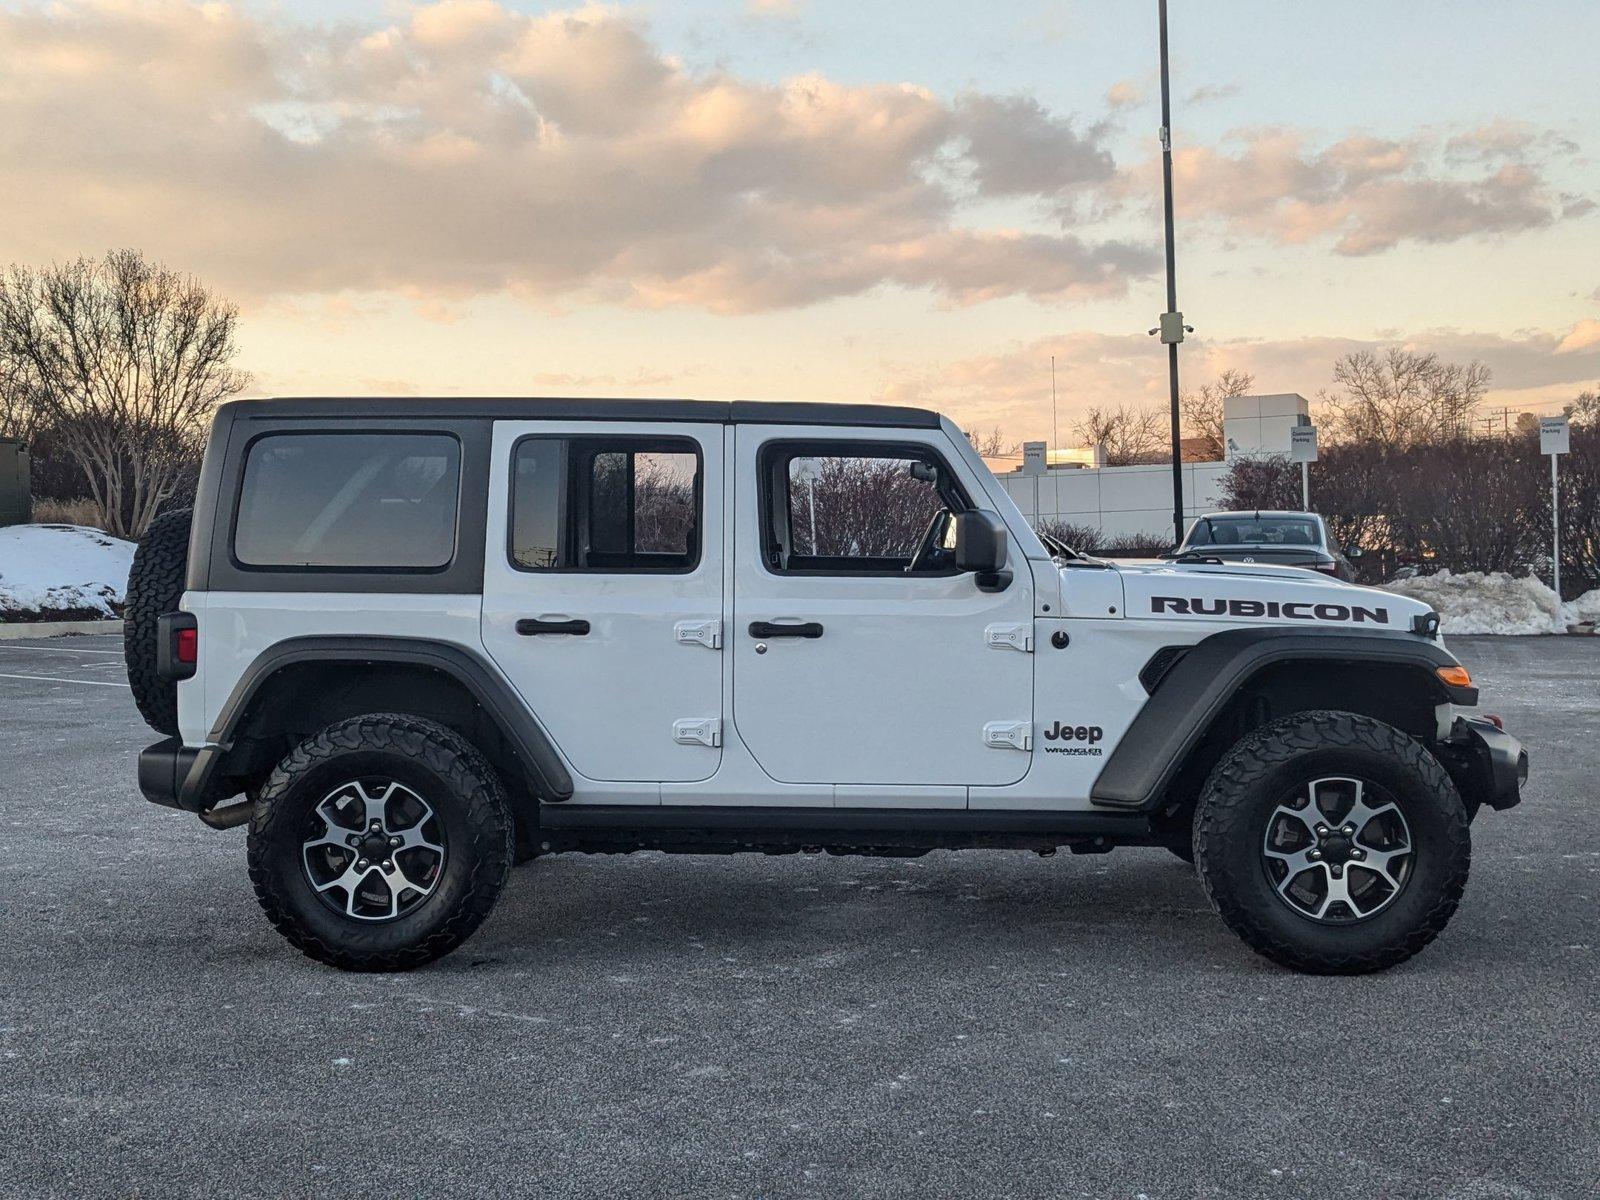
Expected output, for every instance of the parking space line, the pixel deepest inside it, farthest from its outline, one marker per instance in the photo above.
(58, 649)
(60, 679)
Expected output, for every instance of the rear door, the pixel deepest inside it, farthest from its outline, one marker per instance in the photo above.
(603, 590)
(849, 666)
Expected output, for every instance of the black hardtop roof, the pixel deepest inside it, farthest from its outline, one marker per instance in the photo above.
(537, 408)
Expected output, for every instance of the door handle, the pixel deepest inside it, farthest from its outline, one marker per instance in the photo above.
(769, 629)
(528, 626)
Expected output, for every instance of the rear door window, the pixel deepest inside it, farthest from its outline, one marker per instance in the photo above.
(349, 501)
(605, 504)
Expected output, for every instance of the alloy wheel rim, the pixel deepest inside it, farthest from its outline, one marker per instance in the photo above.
(374, 850)
(1338, 850)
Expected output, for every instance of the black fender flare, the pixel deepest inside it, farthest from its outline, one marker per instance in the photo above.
(1194, 691)
(486, 686)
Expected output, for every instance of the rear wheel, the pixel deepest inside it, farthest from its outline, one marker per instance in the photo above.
(381, 843)
(155, 585)
(1332, 843)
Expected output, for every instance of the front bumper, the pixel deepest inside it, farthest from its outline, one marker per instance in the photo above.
(1489, 766)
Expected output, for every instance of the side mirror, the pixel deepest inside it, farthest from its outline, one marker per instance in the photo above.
(1353, 552)
(981, 544)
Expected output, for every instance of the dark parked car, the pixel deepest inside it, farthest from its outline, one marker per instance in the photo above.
(1282, 539)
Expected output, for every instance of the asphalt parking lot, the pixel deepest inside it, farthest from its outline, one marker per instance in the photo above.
(974, 1024)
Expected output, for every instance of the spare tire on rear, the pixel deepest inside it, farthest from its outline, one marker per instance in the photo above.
(155, 584)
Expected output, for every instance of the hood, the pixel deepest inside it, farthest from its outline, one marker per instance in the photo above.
(1259, 594)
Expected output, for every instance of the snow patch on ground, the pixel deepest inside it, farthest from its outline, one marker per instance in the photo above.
(1479, 602)
(56, 568)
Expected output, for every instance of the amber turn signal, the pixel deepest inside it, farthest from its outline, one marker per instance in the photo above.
(1454, 676)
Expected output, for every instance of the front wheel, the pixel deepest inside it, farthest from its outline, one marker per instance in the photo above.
(380, 843)
(1332, 843)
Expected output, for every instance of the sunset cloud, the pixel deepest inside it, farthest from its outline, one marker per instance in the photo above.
(1585, 335)
(469, 148)
(1361, 194)
(1125, 93)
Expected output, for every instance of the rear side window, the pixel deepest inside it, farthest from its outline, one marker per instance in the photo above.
(605, 504)
(349, 501)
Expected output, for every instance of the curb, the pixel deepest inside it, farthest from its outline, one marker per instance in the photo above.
(12, 630)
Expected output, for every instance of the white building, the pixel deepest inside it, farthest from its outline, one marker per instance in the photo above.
(1070, 488)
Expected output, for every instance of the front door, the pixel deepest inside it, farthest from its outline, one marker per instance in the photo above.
(602, 591)
(862, 656)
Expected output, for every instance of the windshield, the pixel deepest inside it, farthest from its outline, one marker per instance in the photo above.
(1250, 530)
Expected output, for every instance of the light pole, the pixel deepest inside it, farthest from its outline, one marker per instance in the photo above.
(1055, 430)
(1172, 327)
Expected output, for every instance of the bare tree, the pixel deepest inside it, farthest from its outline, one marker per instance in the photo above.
(1127, 434)
(1402, 398)
(1203, 410)
(1085, 539)
(663, 503)
(993, 444)
(860, 507)
(1584, 411)
(19, 407)
(125, 359)
(1261, 481)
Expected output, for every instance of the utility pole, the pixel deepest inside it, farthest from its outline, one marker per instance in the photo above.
(1055, 431)
(1172, 327)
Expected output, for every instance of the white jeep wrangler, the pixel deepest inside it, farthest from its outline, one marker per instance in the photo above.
(426, 638)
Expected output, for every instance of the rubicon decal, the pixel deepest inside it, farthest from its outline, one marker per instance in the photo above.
(1293, 610)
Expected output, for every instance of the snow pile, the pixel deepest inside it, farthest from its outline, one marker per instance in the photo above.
(61, 568)
(1586, 608)
(1479, 602)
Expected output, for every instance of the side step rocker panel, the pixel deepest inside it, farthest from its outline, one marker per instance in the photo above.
(718, 829)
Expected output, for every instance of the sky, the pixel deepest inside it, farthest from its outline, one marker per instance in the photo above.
(819, 200)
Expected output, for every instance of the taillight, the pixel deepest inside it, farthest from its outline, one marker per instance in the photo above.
(177, 646)
(1330, 568)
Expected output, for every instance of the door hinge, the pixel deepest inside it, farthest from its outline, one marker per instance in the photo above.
(1008, 735)
(1017, 637)
(703, 633)
(702, 731)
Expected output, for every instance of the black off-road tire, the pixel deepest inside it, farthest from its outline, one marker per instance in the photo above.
(155, 584)
(439, 765)
(1248, 784)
